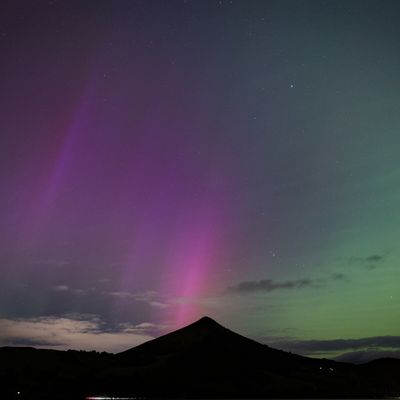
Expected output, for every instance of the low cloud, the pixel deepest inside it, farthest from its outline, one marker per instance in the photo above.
(361, 357)
(139, 296)
(350, 350)
(338, 276)
(149, 297)
(269, 285)
(74, 333)
(374, 258)
(60, 288)
(157, 304)
(368, 262)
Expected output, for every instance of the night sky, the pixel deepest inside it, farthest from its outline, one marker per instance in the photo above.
(165, 160)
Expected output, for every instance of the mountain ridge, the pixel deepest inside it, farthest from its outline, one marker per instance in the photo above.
(204, 329)
(203, 359)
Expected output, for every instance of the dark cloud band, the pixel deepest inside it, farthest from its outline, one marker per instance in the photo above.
(268, 285)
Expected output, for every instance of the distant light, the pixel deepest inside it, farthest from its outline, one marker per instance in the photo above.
(110, 398)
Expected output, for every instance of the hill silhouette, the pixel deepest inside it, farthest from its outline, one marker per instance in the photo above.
(201, 360)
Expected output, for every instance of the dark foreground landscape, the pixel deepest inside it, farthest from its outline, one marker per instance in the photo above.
(202, 360)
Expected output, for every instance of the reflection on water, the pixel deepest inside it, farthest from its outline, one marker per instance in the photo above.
(111, 398)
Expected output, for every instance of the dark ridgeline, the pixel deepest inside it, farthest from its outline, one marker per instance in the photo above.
(203, 360)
